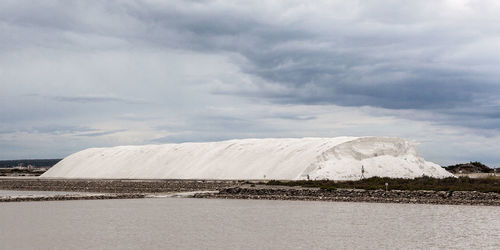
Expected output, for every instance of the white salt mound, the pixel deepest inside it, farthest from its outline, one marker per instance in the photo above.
(340, 158)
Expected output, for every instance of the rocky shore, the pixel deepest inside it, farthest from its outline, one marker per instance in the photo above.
(233, 189)
(71, 197)
(352, 195)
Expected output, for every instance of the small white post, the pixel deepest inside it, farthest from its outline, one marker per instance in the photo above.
(386, 186)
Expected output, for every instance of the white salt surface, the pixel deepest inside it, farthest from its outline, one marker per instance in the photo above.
(340, 158)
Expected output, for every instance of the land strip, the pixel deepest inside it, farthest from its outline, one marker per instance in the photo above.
(114, 185)
(265, 192)
(71, 197)
(234, 189)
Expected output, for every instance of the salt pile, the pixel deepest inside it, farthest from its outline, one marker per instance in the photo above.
(340, 158)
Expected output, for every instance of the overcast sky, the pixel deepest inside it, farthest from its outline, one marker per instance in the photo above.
(79, 74)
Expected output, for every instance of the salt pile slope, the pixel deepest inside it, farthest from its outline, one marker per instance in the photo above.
(340, 158)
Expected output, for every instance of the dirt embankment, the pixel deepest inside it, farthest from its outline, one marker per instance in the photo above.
(232, 189)
(354, 195)
(113, 186)
(72, 197)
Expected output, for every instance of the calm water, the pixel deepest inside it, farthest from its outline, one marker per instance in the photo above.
(12, 193)
(173, 223)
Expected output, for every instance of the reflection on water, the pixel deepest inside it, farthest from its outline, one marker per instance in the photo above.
(213, 224)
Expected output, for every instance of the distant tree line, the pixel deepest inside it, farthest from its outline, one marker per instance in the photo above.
(34, 162)
(471, 167)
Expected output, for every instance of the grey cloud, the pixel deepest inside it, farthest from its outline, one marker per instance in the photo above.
(210, 123)
(190, 137)
(88, 99)
(137, 117)
(295, 117)
(393, 60)
(96, 99)
(97, 134)
(342, 73)
(50, 129)
(425, 56)
(61, 129)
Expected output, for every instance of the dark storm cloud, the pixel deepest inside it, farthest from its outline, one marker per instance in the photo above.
(392, 60)
(347, 63)
(404, 66)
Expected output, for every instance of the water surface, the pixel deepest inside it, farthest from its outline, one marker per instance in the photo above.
(16, 193)
(180, 223)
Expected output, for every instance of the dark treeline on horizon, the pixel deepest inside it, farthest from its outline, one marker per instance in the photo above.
(26, 162)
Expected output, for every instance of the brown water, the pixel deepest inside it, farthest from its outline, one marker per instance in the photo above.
(180, 223)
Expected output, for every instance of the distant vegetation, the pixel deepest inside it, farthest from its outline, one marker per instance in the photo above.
(35, 163)
(422, 183)
(471, 167)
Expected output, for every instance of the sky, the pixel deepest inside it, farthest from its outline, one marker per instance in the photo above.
(79, 74)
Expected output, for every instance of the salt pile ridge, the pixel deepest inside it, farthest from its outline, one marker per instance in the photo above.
(340, 158)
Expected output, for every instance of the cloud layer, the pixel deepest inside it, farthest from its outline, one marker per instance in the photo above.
(105, 73)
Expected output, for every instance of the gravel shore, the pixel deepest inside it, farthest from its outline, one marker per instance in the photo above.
(354, 195)
(114, 185)
(233, 189)
(71, 197)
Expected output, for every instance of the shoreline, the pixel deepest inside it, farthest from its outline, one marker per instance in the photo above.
(71, 197)
(356, 195)
(114, 185)
(231, 189)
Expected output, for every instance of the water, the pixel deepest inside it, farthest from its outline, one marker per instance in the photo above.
(15, 193)
(180, 223)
